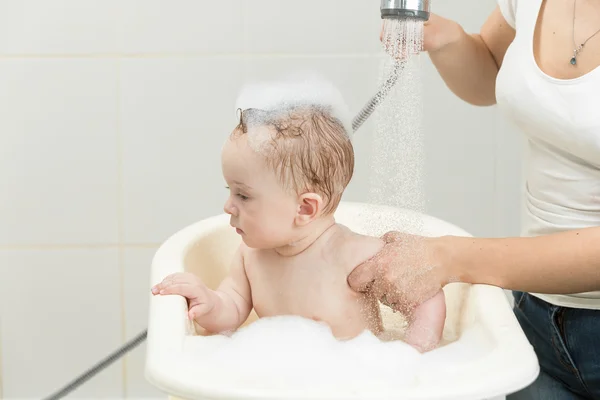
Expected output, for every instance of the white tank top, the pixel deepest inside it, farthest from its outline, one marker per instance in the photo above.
(561, 122)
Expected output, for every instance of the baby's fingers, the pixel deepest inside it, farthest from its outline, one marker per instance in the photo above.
(157, 288)
(182, 289)
(176, 278)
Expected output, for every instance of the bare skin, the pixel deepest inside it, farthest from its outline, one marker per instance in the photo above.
(312, 284)
(568, 261)
(469, 64)
(293, 260)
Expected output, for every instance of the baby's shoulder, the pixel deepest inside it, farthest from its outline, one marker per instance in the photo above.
(355, 248)
(253, 257)
(247, 254)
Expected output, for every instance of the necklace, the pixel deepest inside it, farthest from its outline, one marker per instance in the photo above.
(578, 49)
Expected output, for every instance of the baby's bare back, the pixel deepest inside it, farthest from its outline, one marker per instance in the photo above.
(314, 284)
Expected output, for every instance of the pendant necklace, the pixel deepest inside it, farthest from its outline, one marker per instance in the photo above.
(578, 49)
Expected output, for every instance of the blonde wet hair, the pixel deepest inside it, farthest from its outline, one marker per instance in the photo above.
(308, 147)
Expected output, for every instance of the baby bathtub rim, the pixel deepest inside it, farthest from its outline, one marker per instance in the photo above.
(164, 358)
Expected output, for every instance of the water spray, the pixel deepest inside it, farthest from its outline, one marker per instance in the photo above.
(393, 10)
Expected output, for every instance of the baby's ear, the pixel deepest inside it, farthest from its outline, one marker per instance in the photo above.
(309, 207)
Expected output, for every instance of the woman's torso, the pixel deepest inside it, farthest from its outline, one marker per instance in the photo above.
(557, 107)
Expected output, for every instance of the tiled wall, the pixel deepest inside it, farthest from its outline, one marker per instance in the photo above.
(112, 115)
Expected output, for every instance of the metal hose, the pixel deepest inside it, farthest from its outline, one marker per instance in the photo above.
(370, 107)
(101, 365)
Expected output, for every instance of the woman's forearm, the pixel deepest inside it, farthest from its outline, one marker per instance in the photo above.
(468, 68)
(561, 263)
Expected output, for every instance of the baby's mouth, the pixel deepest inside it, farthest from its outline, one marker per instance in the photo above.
(238, 230)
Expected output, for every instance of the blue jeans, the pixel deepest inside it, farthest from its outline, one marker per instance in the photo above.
(567, 344)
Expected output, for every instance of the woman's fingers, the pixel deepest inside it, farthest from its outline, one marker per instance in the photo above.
(361, 279)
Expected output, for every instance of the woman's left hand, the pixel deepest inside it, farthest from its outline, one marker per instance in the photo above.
(404, 274)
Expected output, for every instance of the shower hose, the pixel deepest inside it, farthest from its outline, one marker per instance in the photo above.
(360, 118)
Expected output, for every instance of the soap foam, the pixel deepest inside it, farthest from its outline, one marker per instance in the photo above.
(296, 354)
(296, 89)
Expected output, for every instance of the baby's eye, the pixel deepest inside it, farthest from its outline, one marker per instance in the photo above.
(241, 196)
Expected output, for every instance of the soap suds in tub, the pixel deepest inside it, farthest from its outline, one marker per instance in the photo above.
(298, 355)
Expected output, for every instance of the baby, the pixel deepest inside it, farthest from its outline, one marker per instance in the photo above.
(286, 165)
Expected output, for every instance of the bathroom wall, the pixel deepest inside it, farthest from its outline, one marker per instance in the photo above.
(112, 115)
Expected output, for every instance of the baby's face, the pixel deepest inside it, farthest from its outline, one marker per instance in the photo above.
(260, 208)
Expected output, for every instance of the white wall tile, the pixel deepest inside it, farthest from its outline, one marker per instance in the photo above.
(60, 315)
(460, 157)
(460, 140)
(471, 21)
(58, 26)
(181, 26)
(1, 378)
(176, 115)
(312, 26)
(58, 152)
(510, 150)
(137, 264)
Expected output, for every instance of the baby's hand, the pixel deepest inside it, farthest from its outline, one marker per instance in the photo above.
(201, 300)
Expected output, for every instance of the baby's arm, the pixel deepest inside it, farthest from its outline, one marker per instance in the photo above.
(234, 300)
(218, 310)
(426, 324)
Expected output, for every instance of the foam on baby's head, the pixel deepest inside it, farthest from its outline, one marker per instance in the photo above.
(296, 91)
(301, 126)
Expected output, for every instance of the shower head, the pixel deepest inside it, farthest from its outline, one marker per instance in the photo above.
(405, 9)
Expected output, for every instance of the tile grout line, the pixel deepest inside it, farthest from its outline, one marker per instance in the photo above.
(1, 362)
(120, 221)
(495, 169)
(373, 54)
(74, 246)
(244, 36)
(246, 56)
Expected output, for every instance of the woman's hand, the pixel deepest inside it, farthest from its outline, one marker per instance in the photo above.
(438, 33)
(404, 274)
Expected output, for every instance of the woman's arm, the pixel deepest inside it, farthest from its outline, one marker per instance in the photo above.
(560, 263)
(412, 269)
(469, 63)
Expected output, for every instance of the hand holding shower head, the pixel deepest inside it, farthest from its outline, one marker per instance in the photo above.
(405, 9)
(393, 10)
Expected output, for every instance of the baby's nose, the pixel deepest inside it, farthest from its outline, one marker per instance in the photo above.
(228, 207)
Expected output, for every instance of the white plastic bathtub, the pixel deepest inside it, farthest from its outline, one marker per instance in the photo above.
(485, 354)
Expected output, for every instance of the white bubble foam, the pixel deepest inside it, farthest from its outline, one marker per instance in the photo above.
(296, 89)
(291, 353)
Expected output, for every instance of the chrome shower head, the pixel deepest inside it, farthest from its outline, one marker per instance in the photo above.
(405, 9)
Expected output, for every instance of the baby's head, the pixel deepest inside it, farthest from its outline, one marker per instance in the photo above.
(287, 162)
